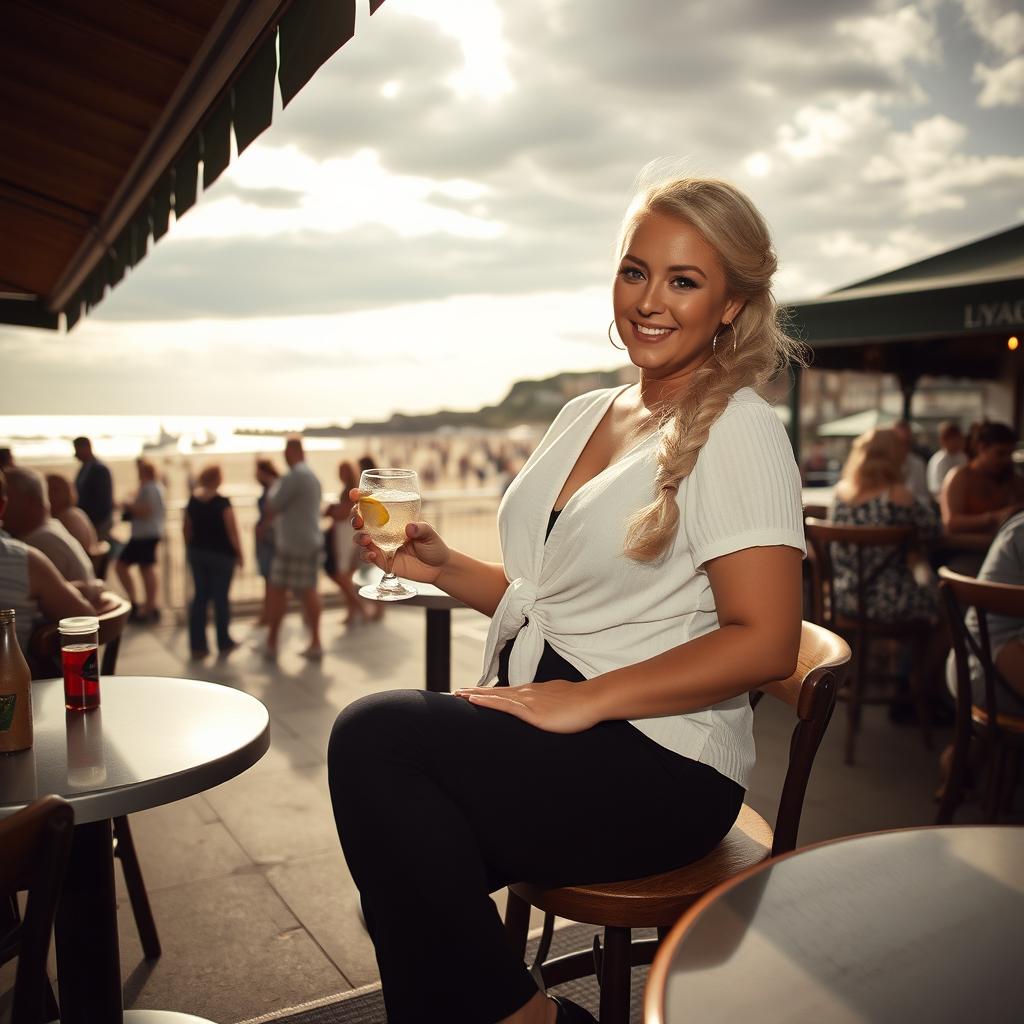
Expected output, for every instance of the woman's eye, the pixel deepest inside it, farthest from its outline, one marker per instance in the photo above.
(631, 274)
(684, 282)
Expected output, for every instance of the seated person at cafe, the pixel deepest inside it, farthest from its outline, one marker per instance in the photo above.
(899, 585)
(950, 455)
(64, 507)
(978, 497)
(871, 492)
(31, 585)
(1004, 563)
(915, 471)
(27, 517)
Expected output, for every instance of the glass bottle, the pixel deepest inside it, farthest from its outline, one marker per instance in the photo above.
(15, 689)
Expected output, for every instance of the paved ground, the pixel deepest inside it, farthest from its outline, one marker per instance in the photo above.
(255, 908)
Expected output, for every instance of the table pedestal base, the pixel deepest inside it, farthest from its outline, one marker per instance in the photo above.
(88, 959)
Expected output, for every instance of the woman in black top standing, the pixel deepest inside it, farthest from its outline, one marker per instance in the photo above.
(211, 537)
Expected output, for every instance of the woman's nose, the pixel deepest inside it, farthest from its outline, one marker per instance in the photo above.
(648, 304)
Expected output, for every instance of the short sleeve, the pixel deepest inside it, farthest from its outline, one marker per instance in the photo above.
(744, 490)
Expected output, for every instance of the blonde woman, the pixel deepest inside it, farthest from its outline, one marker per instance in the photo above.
(651, 578)
(871, 492)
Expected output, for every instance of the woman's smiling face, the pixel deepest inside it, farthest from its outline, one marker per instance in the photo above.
(670, 297)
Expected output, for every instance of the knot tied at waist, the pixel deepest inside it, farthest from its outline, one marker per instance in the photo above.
(516, 617)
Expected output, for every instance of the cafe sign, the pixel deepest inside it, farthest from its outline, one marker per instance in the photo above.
(993, 314)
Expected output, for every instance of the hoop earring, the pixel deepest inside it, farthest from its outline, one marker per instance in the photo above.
(621, 348)
(714, 340)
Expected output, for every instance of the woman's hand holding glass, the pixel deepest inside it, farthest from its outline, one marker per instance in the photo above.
(422, 558)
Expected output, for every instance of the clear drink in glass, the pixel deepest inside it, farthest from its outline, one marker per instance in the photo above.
(389, 499)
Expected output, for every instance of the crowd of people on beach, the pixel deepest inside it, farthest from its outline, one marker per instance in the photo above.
(72, 523)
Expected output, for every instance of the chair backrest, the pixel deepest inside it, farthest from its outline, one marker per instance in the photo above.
(960, 594)
(35, 842)
(811, 692)
(822, 535)
(44, 643)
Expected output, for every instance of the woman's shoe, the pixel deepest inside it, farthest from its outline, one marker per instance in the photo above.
(570, 1012)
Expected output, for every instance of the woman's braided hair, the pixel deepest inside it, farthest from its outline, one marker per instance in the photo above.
(731, 224)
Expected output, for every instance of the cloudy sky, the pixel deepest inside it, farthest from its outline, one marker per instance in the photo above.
(432, 218)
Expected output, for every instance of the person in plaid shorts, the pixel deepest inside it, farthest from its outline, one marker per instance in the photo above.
(298, 548)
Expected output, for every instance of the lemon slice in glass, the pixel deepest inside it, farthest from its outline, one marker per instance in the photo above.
(374, 512)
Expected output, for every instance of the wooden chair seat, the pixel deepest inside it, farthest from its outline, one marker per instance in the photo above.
(657, 900)
(1006, 723)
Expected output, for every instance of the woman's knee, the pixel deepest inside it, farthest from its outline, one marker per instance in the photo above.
(373, 726)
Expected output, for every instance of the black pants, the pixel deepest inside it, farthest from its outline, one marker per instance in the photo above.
(439, 802)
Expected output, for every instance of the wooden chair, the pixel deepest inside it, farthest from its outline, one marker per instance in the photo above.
(44, 651)
(1001, 734)
(35, 842)
(99, 555)
(860, 629)
(657, 901)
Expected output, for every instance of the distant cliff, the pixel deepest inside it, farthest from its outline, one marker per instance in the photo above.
(528, 401)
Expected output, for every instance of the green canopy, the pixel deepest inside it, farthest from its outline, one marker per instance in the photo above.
(950, 314)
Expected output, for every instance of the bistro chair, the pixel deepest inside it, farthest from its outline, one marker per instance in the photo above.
(861, 630)
(35, 842)
(659, 900)
(1001, 735)
(44, 651)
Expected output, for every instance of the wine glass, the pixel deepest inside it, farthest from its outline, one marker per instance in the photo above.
(389, 499)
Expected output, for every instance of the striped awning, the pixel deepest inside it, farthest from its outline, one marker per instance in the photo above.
(111, 113)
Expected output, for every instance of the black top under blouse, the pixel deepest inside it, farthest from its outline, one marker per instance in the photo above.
(552, 665)
(209, 533)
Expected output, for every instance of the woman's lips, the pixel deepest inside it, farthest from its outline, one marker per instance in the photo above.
(649, 332)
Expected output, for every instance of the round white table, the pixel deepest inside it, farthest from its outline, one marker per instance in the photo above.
(152, 741)
(921, 924)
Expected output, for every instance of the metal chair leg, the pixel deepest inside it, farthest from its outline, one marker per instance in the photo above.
(124, 850)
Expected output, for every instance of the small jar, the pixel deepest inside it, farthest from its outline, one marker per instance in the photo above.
(80, 659)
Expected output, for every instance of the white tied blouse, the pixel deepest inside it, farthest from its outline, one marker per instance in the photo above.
(601, 610)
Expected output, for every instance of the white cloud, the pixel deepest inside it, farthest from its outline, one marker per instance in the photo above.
(477, 27)
(758, 165)
(999, 22)
(894, 248)
(931, 171)
(895, 38)
(334, 196)
(817, 131)
(1001, 86)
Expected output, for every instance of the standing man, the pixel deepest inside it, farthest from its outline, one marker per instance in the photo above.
(950, 455)
(298, 548)
(95, 488)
